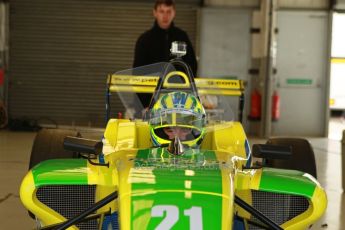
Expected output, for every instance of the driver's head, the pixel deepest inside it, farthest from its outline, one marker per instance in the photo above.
(180, 132)
(177, 114)
(164, 12)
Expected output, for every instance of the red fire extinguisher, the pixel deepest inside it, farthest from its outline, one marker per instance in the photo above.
(2, 76)
(275, 106)
(255, 106)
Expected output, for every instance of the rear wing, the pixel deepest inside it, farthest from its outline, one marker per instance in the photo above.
(148, 84)
(204, 86)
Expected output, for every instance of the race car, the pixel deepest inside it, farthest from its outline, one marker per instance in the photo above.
(171, 165)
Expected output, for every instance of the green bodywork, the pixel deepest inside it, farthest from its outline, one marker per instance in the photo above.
(60, 172)
(186, 184)
(168, 183)
(287, 181)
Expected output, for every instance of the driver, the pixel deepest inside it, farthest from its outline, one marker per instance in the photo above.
(177, 114)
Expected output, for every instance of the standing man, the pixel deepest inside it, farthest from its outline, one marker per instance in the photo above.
(154, 45)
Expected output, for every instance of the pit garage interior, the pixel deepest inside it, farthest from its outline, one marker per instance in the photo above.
(55, 57)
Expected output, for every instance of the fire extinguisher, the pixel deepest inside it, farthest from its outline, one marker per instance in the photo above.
(2, 76)
(255, 106)
(275, 106)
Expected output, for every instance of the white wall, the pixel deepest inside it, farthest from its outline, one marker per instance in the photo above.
(292, 4)
(225, 45)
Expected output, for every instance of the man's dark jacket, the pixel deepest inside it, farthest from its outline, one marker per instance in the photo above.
(154, 46)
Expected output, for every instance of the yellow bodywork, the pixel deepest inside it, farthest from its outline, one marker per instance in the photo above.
(229, 138)
(122, 139)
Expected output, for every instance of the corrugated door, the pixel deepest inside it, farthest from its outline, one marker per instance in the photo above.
(62, 50)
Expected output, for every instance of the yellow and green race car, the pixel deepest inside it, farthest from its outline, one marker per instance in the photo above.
(170, 165)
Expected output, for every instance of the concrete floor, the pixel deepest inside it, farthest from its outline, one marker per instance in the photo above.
(15, 150)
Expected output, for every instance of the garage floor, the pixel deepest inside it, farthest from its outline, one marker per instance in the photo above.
(15, 152)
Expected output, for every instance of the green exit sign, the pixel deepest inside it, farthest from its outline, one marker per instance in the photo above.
(298, 81)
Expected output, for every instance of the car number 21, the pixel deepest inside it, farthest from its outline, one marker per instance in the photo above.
(172, 216)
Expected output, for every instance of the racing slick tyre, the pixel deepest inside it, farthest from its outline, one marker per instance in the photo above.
(302, 158)
(48, 144)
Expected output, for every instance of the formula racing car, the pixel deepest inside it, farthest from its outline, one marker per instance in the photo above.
(175, 164)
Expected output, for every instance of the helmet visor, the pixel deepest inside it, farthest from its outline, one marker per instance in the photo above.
(177, 117)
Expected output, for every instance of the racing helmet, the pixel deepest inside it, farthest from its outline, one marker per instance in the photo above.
(177, 110)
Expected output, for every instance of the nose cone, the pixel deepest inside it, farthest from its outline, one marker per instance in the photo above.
(176, 147)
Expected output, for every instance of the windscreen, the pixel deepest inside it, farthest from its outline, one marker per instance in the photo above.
(136, 88)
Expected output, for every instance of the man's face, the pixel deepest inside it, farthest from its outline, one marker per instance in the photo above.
(180, 132)
(164, 15)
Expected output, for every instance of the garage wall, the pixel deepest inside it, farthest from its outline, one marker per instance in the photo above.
(62, 50)
(291, 4)
(225, 44)
(236, 3)
(3, 49)
(303, 4)
(340, 5)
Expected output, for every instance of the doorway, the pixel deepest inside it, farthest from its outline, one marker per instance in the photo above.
(337, 78)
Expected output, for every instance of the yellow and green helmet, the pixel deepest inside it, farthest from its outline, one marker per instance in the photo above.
(177, 109)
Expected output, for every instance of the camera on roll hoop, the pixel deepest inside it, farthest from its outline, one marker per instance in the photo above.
(178, 49)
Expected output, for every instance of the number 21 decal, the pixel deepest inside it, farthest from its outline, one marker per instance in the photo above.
(172, 216)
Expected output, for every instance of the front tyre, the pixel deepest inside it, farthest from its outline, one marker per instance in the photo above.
(48, 144)
(302, 158)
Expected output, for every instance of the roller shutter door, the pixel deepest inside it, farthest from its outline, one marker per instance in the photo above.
(62, 50)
